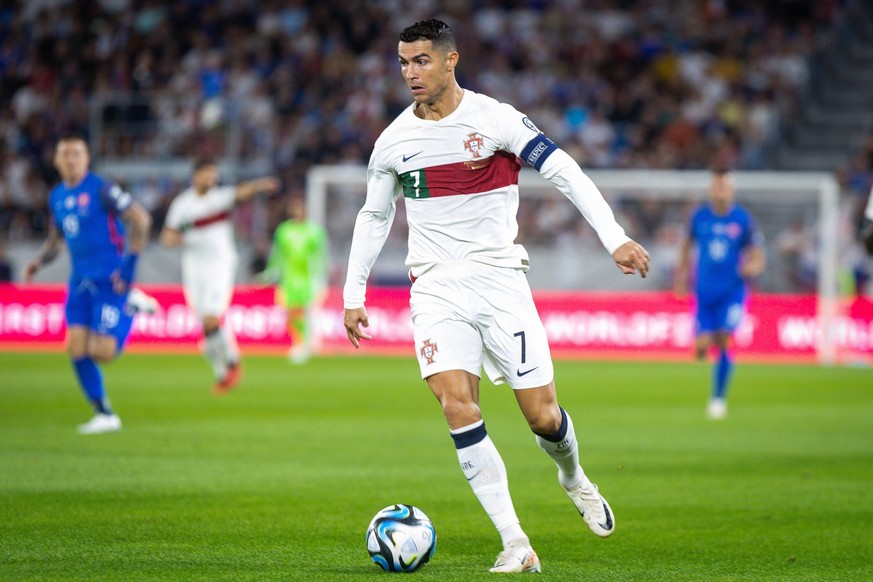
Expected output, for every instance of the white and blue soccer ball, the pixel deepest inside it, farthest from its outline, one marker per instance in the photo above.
(401, 538)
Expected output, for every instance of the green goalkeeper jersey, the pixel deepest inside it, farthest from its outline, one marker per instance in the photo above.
(299, 259)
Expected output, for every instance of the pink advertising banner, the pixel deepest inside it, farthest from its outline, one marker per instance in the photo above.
(645, 325)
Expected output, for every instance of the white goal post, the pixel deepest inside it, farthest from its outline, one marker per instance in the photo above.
(813, 194)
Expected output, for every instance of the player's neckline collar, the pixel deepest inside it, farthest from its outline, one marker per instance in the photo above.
(461, 104)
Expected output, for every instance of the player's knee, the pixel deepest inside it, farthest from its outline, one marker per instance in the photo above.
(460, 413)
(701, 346)
(546, 421)
(103, 352)
(102, 356)
(210, 325)
(76, 351)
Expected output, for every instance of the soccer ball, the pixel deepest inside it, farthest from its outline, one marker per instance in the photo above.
(401, 538)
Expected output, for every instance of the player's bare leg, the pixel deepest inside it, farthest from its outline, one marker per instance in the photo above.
(221, 353)
(102, 348)
(555, 435)
(298, 329)
(82, 346)
(716, 409)
(458, 393)
(701, 345)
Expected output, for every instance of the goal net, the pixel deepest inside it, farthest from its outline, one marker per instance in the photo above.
(798, 213)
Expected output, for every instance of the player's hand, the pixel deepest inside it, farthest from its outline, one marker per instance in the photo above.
(353, 320)
(119, 285)
(30, 270)
(631, 257)
(270, 185)
(123, 276)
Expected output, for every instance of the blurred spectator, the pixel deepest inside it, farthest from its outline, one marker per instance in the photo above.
(7, 269)
(798, 256)
(610, 70)
(658, 84)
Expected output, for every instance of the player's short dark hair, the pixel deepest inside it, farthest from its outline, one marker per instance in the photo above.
(72, 136)
(723, 172)
(436, 31)
(204, 161)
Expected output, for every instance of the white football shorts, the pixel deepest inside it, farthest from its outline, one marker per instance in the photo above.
(469, 316)
(209, 287)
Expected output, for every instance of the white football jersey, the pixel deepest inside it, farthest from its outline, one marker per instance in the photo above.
(206, 226)
(868, 212)
(459, 176)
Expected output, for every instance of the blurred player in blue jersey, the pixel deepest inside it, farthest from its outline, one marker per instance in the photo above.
(89, 213)
(729, 253)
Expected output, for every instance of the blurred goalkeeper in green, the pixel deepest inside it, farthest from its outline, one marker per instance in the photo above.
(298, 265)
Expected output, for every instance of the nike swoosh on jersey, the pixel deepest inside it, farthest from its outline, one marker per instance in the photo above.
(409, 157)
(526, 372)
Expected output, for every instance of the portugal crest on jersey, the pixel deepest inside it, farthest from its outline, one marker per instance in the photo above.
(474, 144)
(428, 350)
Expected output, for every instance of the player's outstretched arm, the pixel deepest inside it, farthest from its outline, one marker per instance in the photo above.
(566, 175)
(272, 273)
(867, 231)
(139, 224)
(680, 281)
(354, 319)
(170, 237)
(47, 253)
(754, 262)
(632, 258)
(248, 190)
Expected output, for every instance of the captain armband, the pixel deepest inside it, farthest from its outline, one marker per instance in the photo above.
(538, 150)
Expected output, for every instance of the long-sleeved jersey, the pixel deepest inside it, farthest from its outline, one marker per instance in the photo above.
(459, 176)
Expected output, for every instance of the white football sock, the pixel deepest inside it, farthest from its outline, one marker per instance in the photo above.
(565, 452)
(216, 353)
(484, 469)
(231, 349)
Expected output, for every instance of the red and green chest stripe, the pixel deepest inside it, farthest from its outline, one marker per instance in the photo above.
(462, 178)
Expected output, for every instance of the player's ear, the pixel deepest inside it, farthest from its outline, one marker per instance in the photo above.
(452, 61)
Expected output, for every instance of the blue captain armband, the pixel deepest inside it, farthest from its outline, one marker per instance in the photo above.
(537, 150)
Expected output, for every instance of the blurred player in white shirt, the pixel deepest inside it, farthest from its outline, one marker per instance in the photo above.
(200, 221)
(867, 229)
(454, 157)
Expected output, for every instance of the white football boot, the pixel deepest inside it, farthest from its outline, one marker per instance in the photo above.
(299, 354)
(101, 423)
(716, 409)
(141, 302)
(517, 557)
(593, 508)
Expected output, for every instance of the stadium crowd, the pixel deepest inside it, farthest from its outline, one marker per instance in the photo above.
(662, 84)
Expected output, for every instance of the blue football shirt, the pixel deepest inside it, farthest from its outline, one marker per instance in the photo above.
(89, 216)
(720, 243)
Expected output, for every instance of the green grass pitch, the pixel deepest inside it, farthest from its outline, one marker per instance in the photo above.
(279, 479)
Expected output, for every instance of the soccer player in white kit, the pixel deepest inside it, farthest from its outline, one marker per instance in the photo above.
(454, 156)
(867, 230)
(199, 219)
